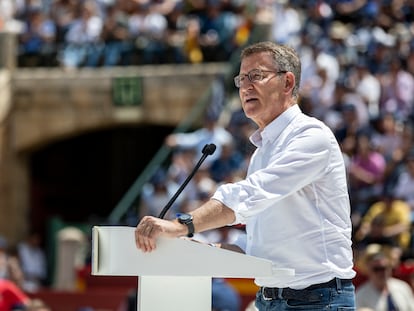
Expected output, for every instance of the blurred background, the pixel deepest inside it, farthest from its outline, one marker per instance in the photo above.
(106, 104)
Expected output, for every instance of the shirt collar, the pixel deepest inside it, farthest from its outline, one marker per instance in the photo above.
(274, 128)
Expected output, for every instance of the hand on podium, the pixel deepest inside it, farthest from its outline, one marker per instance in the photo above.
(150, 228)
(212, 214)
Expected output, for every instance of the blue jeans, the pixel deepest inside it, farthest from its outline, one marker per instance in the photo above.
(340, 298)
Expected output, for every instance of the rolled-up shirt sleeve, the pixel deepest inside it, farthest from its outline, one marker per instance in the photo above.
(282, 171)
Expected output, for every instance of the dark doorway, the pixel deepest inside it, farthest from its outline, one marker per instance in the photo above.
(86, 176)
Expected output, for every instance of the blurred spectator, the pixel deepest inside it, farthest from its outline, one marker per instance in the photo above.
(366, 172)
(322, 93)
(211, 132)
(286, 24)
(397, 163)
(116, 37)
(177, 21)
(387, 221)
(224, 296)
(346, 126)
(83, 44)
(37, 42)
(157, 193)
(382, 292)
(241, 127)
(152, 39)
(10, 268)
(33, 262)
(347, 99)
(387, 137)
(12, 297)
(63, 13)
(397, 94)
(37, 305)
(404, 187)
(191, 46)
(367, 86)
(228, 166)
(217, 30)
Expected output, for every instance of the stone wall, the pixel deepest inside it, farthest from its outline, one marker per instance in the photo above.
(39, 106)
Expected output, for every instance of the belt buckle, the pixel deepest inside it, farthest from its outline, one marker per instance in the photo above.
(264, 296)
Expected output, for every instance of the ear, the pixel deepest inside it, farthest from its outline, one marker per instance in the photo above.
(289, 82)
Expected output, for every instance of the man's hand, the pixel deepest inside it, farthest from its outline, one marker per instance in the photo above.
(150, 228)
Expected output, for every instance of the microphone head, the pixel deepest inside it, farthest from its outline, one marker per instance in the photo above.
(209, 149)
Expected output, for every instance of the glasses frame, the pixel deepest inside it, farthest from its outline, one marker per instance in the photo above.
(253, 79)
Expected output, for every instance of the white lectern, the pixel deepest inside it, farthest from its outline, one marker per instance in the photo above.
(177, 275)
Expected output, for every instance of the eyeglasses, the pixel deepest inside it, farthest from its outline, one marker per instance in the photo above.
(254, 75)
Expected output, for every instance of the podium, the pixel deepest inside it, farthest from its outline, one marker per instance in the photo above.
(178, 274)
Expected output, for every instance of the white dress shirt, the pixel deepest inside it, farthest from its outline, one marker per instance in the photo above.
(294, 202)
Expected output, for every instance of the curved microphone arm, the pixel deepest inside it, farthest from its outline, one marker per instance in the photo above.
(207, 150)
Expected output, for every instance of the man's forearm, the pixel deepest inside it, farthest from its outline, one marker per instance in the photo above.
(211, 215)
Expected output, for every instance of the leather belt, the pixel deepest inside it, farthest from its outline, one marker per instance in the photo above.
(306, 294)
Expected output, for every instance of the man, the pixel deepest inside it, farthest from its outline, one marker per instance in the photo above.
(382, 292)
(294, 200)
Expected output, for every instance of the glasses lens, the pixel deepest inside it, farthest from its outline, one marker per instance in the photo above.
(237, 81)
(255, 75)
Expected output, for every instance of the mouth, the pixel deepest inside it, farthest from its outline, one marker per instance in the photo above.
(248, 100)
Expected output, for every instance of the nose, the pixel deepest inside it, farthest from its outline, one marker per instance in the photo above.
(245, 83)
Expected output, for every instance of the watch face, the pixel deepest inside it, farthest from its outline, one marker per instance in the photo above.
(185, 217)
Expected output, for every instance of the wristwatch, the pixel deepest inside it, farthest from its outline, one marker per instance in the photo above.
(187, 219)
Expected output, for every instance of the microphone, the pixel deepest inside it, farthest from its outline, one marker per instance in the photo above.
(207, 150)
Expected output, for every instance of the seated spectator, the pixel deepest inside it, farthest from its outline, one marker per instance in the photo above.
(33, 262)
(404, 188)
(367, 86)
(10, 268)
(387, 221)
(366, 173)
(346, 126)
(397, 90)
(211, 132)
(152, 39)
(228, 166)
(191, 45)
(157, 193)
(63, 13)
(116, 37)
(382, 292)
(241, 128)
(83, 43)
(217, 30)
(37, 46)
(387, 137)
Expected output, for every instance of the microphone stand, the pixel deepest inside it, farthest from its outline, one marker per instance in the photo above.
(207, 150)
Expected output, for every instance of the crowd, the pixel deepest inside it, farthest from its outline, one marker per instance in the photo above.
(357, 76)
(92, 33)
(23, 270)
